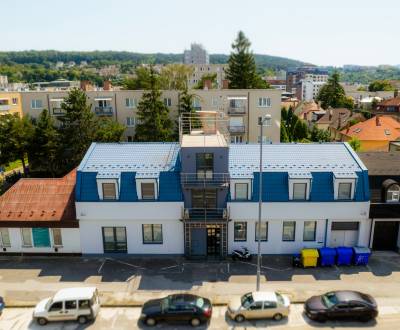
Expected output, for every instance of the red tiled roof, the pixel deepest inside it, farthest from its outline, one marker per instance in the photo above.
(387, 130)
(37, 200)
(394, 102)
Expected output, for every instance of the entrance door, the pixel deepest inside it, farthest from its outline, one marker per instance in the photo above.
(198, 245)
(114, 240)
(213, 241)
(385, 235)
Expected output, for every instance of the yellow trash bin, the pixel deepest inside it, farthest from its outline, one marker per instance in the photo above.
(309, 257)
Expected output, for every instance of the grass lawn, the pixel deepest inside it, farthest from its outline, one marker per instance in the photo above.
(15, 164)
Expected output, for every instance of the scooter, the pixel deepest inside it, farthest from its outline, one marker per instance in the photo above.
(242, 254)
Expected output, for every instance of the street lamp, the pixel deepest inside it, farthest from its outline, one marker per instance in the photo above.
(261, 121)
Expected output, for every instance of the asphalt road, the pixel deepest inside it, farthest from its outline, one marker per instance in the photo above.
(127, 318)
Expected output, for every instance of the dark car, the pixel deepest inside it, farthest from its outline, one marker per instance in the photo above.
(177, 308)
(341, 305)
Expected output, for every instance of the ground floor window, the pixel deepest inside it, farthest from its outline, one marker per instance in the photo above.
(289, 231)
(5, 238)
(26, 237)
(35, 237)
(57, 238)
(152, 234)
(263, 231)
(114, 240)
(309, 230)
(240, 231)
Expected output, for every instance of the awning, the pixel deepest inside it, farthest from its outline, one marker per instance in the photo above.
(345, 175)
(236, 98)
(56, 100)
(102, 98)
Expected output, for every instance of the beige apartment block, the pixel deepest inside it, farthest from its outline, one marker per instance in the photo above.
(241, 108)
(10, 103)
(200, 70)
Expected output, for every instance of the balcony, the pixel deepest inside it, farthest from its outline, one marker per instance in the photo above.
(195, 180)
(5, 107)
(205, 214)
(236, 129)
(237, 110)
(104, 111)
(58, 112)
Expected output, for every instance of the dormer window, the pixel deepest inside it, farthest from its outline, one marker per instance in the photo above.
(344, 190)
(146, 186)
(299, 186)
(299, 191)
(393, 193)
(108, 186)
(344, 185)
(148, 191)
(109, 191)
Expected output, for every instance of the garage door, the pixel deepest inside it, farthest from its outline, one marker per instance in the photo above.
(385, 235)
(344, 233)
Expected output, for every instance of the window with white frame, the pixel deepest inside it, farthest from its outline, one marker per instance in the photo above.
(241, 191)
(264, 102)
(393, 193)
(130, 121)
(240, 231)
(130, 102)
(289, 231)
(5, 238)
(344, 190)
(26, 235)
(148, 190)
(299, 189)
(57, 237)
(109, 191)
(168, 101)
(310, 229)
(36, 104)
(263, 231)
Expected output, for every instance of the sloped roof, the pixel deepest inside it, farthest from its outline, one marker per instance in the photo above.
(130, 157)
(40, 200)
(307, 107)
(293, 157)
(381, 163)
(381, 128)
(394, 102)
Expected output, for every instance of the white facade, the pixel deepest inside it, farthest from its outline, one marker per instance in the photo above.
(71, 242)
(310, 89)
(324, 214)
(131, 215)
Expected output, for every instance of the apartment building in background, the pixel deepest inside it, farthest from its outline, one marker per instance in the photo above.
(3, 82)
(10, 103)
(242, 108)
(200, 70)
(313, 77)
(196, 55)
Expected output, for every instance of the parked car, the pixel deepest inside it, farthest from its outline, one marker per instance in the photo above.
(2, 305)
(177, 308)
(341, 305)
(78, 304)
(257, 305)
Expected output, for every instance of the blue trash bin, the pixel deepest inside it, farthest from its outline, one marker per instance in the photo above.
(361, 255)
(344, 256)
(327, 256)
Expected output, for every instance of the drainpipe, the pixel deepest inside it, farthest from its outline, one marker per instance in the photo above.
(370, 233)
(326, 232)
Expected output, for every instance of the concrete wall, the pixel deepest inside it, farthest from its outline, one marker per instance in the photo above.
(70, 239)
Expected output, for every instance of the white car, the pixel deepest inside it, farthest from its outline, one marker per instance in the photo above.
(76, 304)
(259, 305)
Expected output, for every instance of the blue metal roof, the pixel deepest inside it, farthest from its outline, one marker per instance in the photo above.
(148, 159)
(244, 159)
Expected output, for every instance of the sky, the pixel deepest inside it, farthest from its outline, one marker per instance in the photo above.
(322, 32)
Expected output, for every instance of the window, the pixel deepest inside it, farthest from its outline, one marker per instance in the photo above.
(240, 231)
(147, 190)
(299, 191)
(269, 304)
(256, 306)
(168, 101)
(289, 231)
(264, 102)
(241, 191)
(70, 304)
(196, 103)
(152, 234)
(130, 103)
(344, 190)
(393, 193)
(215, 101)
(236, 139)
(36, 104)
(84, 304)
(26, 234)
(56, 307)
(130, 121)
(204, 165)
(5, 238)
(264, 231)
(41, 237)
(57, 238)
(14, 101)
(309, 231)
(114, 240)
(109, 191)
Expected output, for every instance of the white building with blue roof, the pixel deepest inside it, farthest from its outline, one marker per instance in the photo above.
(199, 197)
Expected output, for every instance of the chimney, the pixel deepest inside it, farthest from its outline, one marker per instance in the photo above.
(207, 84)
(107, 85)
(225, 84)
(396, 93)
(330, 114)
(85, 85)
(378, 121)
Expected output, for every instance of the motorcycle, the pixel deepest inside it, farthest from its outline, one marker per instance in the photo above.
(241, 254)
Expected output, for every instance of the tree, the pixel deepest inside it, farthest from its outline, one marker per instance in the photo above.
(155, 124)
(355, 144)
(319, 135)
(332, 94)
(175, 76)
(108, 130)
(140, 81)
(380, 85)
(78, 128)
(211, 77)
(44, 146)
(242, 71)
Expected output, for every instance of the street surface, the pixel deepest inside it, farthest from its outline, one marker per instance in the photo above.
(127, 318)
